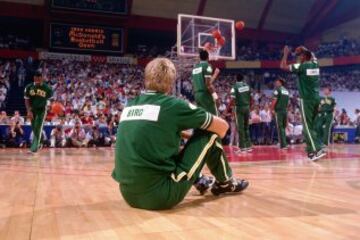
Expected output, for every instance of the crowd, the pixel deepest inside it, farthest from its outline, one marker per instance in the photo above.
(249, 50)
(94, 94)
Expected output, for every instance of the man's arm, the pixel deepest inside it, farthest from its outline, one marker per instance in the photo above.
(284, 64)
(209, 83)
(273, 104)
(28, 108)
(218, 126)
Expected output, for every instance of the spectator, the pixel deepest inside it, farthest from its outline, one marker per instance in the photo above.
(4, 119)
(57, 137)
(255, 125)
(77, 136)
(266, 129)
(18, 118)
(15, 136)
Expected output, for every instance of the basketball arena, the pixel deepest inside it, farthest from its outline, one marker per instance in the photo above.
(193, 119)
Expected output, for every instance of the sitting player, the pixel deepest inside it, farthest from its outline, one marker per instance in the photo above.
(151, 172)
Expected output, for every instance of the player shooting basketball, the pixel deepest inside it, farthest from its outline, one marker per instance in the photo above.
(307, 69)
(151, 172)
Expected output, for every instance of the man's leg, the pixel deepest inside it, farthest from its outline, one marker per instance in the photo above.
(328, 120)
(308, 114)
(281, 124)
(37, 126)
(173, 188)
(246, 129)
(241, 129)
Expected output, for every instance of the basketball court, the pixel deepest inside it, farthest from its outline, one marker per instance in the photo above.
(289, 198)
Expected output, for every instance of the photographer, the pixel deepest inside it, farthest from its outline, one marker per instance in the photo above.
(57, 137)
(15, 135)
(77, 136)
(96, 138)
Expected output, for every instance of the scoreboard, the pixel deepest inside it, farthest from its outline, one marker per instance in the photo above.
(101, 6)
(86, 38)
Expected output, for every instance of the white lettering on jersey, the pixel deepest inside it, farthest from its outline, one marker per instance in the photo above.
(197, 70)
(142, 112)
(284, 92)
(313, 72)
(243, 89)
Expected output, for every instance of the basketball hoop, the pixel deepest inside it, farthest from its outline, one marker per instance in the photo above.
(214, 52)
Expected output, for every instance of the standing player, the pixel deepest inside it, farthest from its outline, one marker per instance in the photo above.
(325, 116)
(206, 97)
(241, 96)
(36, 97)
(151, 172)
(308, 73)
(202, 80)
(279, 107)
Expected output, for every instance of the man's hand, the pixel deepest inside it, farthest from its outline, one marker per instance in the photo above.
(217, 72)
(30, 115)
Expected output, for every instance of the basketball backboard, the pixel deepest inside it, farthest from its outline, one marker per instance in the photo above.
(195, 31)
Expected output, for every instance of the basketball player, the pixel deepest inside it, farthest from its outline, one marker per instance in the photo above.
(36, 97)
(151, 171)
(206, 96)
(325, 116)
(307, 69)
(241, 96)
(279, 106)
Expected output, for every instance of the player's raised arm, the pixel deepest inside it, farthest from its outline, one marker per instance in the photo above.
(284, 64)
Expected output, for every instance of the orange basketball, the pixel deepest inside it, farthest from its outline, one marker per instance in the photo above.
(240, 25)
(221, 41)
(216, 34)
(57, 108)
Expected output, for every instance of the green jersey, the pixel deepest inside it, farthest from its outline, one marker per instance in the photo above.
(281, 95)
(148, 138)
(309, 79)
(201, 71)
(327, 104)
(38, 95)
(241, 93)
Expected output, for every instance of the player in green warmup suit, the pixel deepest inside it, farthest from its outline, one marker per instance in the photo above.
(151, 171)
(325, 116)
(206, 97)
(36, 97)
(241, 96)
(307, 69)
(279, 106)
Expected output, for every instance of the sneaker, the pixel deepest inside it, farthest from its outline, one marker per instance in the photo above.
(284, 148)
(31, 152)
(315, 156)
(250, 149)
(241, 151)
(203, 183)
(231, 186)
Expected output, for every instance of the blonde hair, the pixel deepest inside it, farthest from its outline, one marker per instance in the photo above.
(160, 75)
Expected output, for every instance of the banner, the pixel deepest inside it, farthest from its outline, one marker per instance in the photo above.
(61, 56)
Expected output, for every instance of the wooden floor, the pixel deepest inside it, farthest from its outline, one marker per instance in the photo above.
(69, 194)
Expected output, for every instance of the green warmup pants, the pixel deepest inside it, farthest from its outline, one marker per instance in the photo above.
(242, 123)
(309, 109)
(323, 123)
(200, 149)
(281, 122)
(37, 125)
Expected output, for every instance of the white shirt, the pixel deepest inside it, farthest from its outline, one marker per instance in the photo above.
(265, 116)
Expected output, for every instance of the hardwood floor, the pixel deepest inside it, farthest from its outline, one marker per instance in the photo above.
(69, 194)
